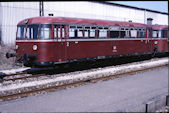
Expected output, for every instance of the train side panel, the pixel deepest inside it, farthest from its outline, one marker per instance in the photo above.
(84, 49)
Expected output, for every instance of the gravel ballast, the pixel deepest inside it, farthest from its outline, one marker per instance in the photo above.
(60, 79)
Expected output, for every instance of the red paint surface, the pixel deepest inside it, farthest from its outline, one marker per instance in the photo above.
(62, 51)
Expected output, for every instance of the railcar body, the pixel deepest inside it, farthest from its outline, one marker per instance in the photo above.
(44, 41)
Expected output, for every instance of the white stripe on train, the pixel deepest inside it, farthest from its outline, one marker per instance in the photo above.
(69, 40)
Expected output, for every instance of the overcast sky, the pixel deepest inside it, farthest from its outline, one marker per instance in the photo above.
(161, 6)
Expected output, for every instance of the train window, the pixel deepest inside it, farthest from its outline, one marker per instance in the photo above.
(122, 28)
(100, 27)
(79, 27)
(127, 33)
(89, 32)
(93, 27)
(114, 32)
(114, 28)
(92, 33)
(29, 33)
(141, 34)
(72, 27)
(102, 33)
(32, 32)
(87, 27)
(133, 33)
(63, 32)
(44, 34)
(106, 28)
(155, 33)
(55, 32)
(20, 32)
(59, 32)
(86, 33)
(122, 32)
(71, 32)
(160, 33)
(80, 33)
(45, 31)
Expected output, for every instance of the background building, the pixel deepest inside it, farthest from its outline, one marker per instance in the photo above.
(13, 12)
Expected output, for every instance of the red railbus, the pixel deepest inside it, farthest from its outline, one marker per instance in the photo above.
(44, 41)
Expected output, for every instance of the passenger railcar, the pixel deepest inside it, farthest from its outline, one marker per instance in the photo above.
(44, 41)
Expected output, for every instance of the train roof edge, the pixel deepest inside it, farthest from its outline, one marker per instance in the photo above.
(71, 20)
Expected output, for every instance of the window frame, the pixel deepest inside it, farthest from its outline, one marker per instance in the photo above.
(50, 31)
(153, 30)
(102, 29)
(114, 29)
(38, 29)
(22, 37)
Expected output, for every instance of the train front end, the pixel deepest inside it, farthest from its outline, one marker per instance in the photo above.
(33, 47)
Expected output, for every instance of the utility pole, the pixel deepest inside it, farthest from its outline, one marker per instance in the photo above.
(41, 9)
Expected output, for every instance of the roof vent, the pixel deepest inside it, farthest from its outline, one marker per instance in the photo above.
(149, 21)
(50, 14)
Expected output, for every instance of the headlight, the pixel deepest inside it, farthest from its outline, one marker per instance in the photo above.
(156, 42)
(16, 46)
(35, 47)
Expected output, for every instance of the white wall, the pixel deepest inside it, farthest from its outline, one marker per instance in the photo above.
(158, 18)
(13, 12)
(102, 11)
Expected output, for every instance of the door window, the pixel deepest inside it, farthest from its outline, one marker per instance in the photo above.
(45, 31)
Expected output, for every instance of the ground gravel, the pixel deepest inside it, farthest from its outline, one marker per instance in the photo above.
(7, 63)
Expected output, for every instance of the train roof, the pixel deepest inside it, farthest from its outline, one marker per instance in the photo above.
(66, 20)
(157, 27)
(38, 20)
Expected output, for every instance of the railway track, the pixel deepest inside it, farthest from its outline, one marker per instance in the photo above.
(73, 79)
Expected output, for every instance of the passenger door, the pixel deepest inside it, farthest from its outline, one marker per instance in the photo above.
(60, 35)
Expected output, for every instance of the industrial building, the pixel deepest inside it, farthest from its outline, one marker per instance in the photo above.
(13, 12)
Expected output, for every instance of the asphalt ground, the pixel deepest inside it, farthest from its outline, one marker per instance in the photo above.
(121, 94)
